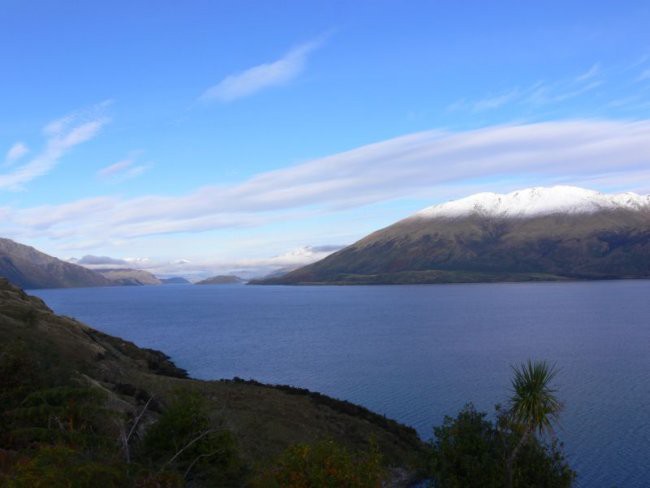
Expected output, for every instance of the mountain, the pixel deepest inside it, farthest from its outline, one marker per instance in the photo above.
(175, 280)
(554, 233)
(57, 356)
(129, 277)
(221, 280)
(29, 268)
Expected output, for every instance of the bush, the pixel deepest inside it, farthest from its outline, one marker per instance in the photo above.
(53, 466)
(471, 451)
(20, 373)
(184, 440)
(465, 452)
(55, 430)
(325, 464)
(44, 402)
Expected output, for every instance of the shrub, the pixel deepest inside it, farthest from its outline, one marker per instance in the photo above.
(325, 464)
(465, 452)
(471, 451)
(185, 440)
(53, 466)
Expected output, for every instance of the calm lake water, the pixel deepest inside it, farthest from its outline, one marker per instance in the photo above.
(414, 353)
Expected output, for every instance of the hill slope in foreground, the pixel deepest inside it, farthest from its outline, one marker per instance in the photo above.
(263, 419)
(536, 234)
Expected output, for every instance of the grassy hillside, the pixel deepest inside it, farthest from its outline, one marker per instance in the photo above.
(263, 420)
(603, 245)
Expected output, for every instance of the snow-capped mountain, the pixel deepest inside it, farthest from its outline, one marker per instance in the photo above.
(536, 202)
(554, 233)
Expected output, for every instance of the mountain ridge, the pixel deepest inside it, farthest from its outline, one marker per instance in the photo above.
(29, 268)
(465, 242)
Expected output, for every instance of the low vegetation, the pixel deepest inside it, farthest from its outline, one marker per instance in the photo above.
(472, 451)
(324, 464)
(57, 429)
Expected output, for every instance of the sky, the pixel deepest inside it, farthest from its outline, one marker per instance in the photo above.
(203, 137)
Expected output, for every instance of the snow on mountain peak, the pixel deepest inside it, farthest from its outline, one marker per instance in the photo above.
(535, 202)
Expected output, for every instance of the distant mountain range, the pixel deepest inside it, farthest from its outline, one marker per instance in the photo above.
(555, 233)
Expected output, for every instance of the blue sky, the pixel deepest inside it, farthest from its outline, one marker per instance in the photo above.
(234, 134)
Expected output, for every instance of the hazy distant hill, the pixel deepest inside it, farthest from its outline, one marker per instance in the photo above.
(129, 277)
(221, 280)
(29, 268)
(534, 234)
(174, 280)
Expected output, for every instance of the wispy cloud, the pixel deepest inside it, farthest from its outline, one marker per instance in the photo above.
(421, 163)
(536, 94)
(589, 74)
(124, 169)
(60, 137)
(497, 101)
(114, 168)
(257, 78)
(555, 93)
(17, 151)
(645, 75)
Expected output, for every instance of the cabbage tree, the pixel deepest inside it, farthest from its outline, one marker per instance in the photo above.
(533, 408)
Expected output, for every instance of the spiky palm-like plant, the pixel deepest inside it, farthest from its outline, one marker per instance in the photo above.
(533, 402)
(533, 405)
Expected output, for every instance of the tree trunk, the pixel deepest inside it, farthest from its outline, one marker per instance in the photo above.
(513, 456)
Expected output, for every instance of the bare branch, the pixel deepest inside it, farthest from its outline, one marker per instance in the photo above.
(126, 438)
(200, 456)
(185, 447)
(124, 442)
(137, 419)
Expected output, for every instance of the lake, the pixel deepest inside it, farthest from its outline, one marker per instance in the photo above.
(414, 353)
